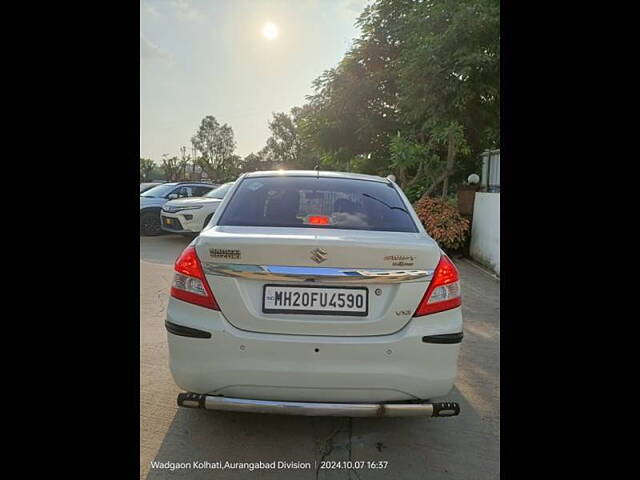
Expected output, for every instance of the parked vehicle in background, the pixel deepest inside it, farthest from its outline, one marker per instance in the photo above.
(315, 293)
(152, 200)
(191, 215)
(148, 185)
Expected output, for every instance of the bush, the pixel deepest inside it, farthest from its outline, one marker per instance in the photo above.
(415, 191)
(443, 222)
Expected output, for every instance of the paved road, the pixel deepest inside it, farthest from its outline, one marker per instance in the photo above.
(464, 447)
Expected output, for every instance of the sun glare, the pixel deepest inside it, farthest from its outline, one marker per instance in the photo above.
(270, 30)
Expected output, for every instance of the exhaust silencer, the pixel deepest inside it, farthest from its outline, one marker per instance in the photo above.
(212, 402)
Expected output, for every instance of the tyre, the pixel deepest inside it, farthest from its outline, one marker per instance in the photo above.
(150, 224)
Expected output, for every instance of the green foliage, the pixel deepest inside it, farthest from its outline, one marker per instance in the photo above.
(171, 168)
(146, 168)
(157, 174)
(290, 145)
(415, 191)
(405, 154)
(216, 145)
(443, 222)
(284, 143)
(185, 165)
(417, 95)
(406, 157)
(252, 163)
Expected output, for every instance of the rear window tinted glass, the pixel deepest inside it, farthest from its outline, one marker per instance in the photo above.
(317, 203)
(200, 191)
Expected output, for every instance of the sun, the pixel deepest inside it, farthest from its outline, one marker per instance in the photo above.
(270, 30)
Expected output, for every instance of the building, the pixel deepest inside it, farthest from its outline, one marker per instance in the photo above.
(490, 178)
(485, 227)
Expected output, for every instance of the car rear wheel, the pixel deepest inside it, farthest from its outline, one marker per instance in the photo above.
(150, 224)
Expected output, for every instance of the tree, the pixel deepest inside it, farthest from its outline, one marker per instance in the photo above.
(405, 157)
(284, 142)
(417, 95)
(355, 104)
(216, 145)
(427, 69)
(255, 162)
(171, 167)
(448, 77)
(146, 168)
(233, 168)
(184, 162)
(349, 118)
(251, 163)
(289, 146)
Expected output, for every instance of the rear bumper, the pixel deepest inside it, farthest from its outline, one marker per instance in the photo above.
(298, 368)
(209, 402)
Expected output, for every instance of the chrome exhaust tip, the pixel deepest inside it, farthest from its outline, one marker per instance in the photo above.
(213, 402)
(191, 400)
(446, 409)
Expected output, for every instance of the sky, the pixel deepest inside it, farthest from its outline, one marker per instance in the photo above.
(211, 57)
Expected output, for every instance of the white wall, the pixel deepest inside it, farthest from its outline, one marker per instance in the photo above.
(485, 230)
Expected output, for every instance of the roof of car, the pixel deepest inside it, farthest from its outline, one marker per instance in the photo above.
(313, 173)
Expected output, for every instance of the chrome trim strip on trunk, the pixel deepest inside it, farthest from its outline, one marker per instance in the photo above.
(211, 402)
(341, 275)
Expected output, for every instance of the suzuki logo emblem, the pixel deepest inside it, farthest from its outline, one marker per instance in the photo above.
(318, 255)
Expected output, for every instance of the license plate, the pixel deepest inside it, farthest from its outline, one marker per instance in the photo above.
(316, 300)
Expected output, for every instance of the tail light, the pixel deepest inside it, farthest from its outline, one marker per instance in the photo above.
(443, 292)
(189, 283)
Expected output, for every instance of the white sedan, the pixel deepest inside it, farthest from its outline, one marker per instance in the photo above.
(191, 215)
(315, 293)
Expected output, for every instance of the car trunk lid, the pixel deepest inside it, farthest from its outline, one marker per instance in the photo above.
(393, 267)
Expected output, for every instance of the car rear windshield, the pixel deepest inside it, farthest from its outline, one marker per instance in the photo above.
(318, 202)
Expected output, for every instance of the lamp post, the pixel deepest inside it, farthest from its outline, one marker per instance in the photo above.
(466, 195)
(466, 200)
